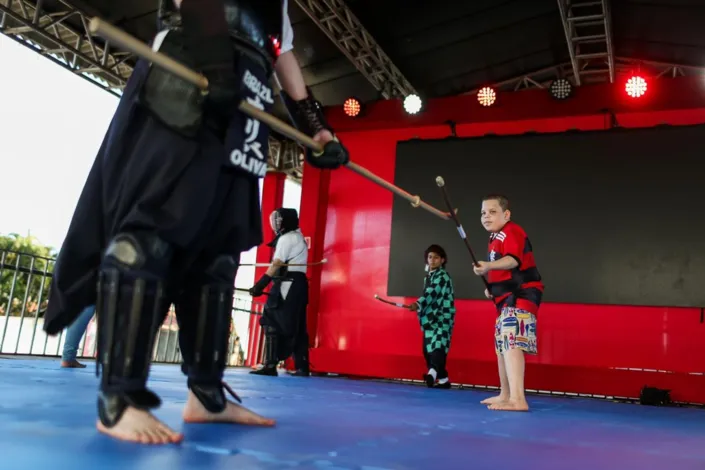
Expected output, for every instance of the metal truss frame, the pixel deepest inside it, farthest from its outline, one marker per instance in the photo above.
(542, 78)
(286, 156)
(588, 32)
(343, 28)
(47, 34)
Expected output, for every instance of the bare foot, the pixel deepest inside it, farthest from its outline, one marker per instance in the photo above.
(493, 400)
(194, 412)
(142, 427)
(510, 405)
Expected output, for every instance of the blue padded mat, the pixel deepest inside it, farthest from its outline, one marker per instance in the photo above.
(48, 422)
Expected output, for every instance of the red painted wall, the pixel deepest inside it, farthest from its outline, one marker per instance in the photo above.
(582, 348)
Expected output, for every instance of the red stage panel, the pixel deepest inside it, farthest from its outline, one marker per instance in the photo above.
(582, 347)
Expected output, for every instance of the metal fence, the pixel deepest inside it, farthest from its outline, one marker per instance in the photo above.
(25, 281)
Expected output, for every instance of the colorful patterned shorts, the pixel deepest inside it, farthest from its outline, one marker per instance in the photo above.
(515, 329)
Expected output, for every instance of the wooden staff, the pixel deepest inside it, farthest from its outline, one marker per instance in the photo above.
(442, 184)
(129, 43)
(109, 32)
(252, 312)
(294, 134)
(266, 265)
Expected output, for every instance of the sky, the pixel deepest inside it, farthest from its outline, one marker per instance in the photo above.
(52, 123)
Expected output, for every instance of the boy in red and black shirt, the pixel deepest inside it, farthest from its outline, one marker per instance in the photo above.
(516, 288)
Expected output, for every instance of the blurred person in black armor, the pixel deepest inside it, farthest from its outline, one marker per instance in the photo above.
(171, 202)
(284, 316)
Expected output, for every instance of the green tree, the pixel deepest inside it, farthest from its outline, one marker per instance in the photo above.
(25, 274)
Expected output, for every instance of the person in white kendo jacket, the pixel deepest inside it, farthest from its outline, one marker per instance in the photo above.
(284, 317)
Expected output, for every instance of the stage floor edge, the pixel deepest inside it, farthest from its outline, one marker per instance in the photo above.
(49, 413)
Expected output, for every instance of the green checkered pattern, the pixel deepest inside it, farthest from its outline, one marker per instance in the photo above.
(437, 310)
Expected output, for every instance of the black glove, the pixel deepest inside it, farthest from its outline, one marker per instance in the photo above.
(258, 288)
(334, 155)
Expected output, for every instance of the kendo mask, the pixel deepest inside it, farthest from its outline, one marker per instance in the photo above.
(284, 220)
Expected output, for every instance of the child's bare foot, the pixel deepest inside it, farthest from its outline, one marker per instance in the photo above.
(194, 412)
(492, 400)
(142, 427)
(510, 405)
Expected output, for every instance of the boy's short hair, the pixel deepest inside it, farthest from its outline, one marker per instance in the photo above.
(437, 249)
(501, 199)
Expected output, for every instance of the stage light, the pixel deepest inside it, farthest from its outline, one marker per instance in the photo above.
(412, 104)
(352, 107)
(636, 86)
(561, 89)
(486, 96)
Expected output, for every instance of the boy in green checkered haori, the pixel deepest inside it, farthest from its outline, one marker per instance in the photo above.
(436, 312)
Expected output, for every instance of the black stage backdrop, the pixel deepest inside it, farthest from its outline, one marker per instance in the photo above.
(615, 217)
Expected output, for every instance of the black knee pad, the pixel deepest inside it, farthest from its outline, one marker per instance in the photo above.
(130, 308)
(210, 303)
(138, 253)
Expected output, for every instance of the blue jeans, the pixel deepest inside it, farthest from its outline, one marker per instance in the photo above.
(75, 332)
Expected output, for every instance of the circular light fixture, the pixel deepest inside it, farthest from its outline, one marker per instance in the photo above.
(352, 107)
(636, 87)
(486, 96)
(561, 89)
(412, 104)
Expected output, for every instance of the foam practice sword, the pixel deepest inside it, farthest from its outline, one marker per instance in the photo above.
(396, 304)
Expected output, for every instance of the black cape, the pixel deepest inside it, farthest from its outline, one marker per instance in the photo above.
(146, 176)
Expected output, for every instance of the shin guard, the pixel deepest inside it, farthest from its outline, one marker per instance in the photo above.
(212, 307)
(271, 348)
(130, 307)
